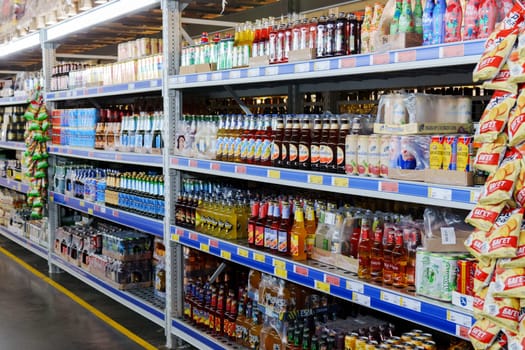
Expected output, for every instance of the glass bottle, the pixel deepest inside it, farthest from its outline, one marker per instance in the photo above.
(324, 148)
(283, 233)
(364, 249)
(277, 140)
(321, 37)
(312, 43)
(376, 255)
(340, 35)
(305, 141)
(293, 144)
(394, 25)
(252, 222)
(418, 17)
(406, 20)
(311, 227)
(399, 262)
(268, 226)
(260, 225)
(298, 236)
(287, 136)
(341, 142)
(274, 228)
(315, 156)
(330, 36)
(388, 247)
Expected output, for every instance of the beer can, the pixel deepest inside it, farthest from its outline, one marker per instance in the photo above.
(463, 276)
(436, 152)
(351, 154)
(423, 264)
(450, 149)
(362, 155)
(464, 153)
(448, 274)
(374, 144)
(384, 151)
(431, 276)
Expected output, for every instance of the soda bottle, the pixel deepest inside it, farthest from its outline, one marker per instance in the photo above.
(304, 40)
(312, 42)
(256, 38)
(324, 148)
(296, 35)
(364, 251)
(399, 262)
(341, 142)
(281, 43)
(272, 43)
(283, 234)
(333, 135)
(305, 141)
(340, 37)
(453, 21)
(351, 34)
(470, 20)
(277, 139)
(293, 144)
(287, 41)
(426, 22)
(418, 17)
(438, 22)
(406, 19)
(321, 37)
(250, 144)
(311, 227)
(266, 150)
(268, 226)
(219, 146)
(259, 137)
(260, 225)
(274, 227)
(298, 236)
(376, 255)
(388, 247)
(487, 14)
(394, 25)
(413, 238)
(315, 156)
(287, 136)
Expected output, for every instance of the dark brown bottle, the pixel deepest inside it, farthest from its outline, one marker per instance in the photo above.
(330, 36)
(315, 144)
(293, 144)
(277, 140)
(341, 140)
(352, 34)
(324, 149)
(286, 141)
(305, 142)
(340, 38)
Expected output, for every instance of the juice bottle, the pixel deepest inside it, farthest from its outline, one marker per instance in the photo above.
(315, 156)
(239, 130)
(376, 255)
(219, 146)
(249, 35)
(283, 233)
(340, 38)
(274, 227)
(256, 39)
(364, 251)
(341, 143)
(438, 22)
(293, 144)
(394, 25)
(286, 141)
(260, 225)
(388, 247)
(260, 135)
(235, 136)
(266, 150)
(310, 226)
(277, 140)
(470, 20)
(324, 148)
(399, 262)
(426, 22)
(406, 20)
(248, 135)
(453, 21)
(305, 141)
(487, 14)
(250, 155)
(418, 17)
(298, 236)
(268, 226)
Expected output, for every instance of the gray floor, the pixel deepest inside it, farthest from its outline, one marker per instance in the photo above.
(34, 315)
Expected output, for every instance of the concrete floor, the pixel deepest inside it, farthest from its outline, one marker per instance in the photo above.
(34, 315)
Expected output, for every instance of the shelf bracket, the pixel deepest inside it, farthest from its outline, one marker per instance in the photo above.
(187, 37)
(241, 104)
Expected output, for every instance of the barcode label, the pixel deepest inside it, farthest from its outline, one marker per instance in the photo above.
(448, 235)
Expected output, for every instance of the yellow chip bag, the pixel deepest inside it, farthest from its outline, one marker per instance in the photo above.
(519, 259)
(516, 59)
(478, 302)
(475, 241)
(502, 311)
(502, 81)
(499, 187)
(483, 274)
(483, 217)
(519, 188)
(497, 49)
(495, 116)
(483, 333)
(490, 155)
(509, 283)
(502, 240)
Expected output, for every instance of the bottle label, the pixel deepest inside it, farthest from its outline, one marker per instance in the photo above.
(284, 152)
(293, 152)
(275, 151)
(340, 155)
(267, 237)
(258, 149)
(304, 153)
(266, 150)
(244, 148)
(251, 233)
(259, 236)
(294, 245)
(315, 156)
(282, 241)
(237, 148)
(326, 154)
(251, 149)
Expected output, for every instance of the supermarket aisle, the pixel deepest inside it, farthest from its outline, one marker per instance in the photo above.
(34, 315)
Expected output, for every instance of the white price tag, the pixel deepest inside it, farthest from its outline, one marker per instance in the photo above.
(216, 76)
(235, 74)
(181, 80)
(103, 210)
(68, 94)
(274, 70)
(355, 286)
(301, 68)
(391, 298)
(329, 218)
(74, 94)
(440, 193)
(361, 299)
(448, 235)
(460, 319)
(131, 86)
(202, 77)
(253, 72)
(321, 65)
(411, 304)
(154, 83)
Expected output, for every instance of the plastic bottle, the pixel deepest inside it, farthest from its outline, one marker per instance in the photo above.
(487, 15)
(394, 25)
(438, 22)
(406, 19)
(298, 236)
(426, 22)
(453, 20)
(418, 17)
(470, 20)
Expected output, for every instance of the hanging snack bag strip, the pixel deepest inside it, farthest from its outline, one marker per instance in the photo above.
(499, 187)
(490, 155)
(502, 241)
(495, 116)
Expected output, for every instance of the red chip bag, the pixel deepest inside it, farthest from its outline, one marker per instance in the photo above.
(490, 155)
(502, 311)
(495, 116)
(483, 217)
(502, 240)
(483, 274)
(499, 187)
(509, 283)
(497, 48)
(502, 81)
(519, 259)
(483, 333)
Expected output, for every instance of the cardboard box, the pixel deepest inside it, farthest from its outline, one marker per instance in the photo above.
(406, 175)
(187, 70)
(347, 263)
(440, 245)
(324, 256)
(423, 128)
(259, 61)
(404, 40)
(301, 55)
(449, 177)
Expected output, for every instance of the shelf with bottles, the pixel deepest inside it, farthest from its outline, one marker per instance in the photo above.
(283, 313)
(107, 156)
(14, 145)
(14, 185)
